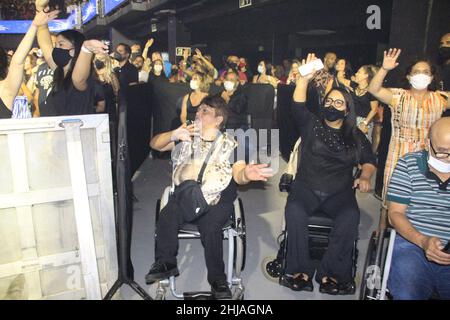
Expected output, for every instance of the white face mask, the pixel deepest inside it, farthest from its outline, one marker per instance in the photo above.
(420, 81)
(260, 69)
(229, 85)
(194, 84)
(158, 68)
(439, 165)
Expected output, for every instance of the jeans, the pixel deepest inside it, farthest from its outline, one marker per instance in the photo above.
(413, 277)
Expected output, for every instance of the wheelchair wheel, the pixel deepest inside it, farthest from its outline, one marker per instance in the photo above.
(365, 293)
(240, 242)
(271, 268)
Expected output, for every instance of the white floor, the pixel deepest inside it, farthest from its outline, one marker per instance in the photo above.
(264, 207)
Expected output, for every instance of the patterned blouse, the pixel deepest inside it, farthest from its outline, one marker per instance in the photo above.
(188, 158)
(410, 124)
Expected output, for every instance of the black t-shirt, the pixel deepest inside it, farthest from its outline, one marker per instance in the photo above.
(237, 110)
(5, 113)
(127, 74)
(362, 103)
(69, 101)
(327, 162)
(44, 81)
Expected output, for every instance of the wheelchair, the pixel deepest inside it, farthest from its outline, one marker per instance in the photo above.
(234, 232)
(378, 262)
(319, 228)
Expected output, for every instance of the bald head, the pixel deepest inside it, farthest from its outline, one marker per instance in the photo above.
(440, 135)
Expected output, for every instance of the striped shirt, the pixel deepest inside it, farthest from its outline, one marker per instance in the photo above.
(428, 206)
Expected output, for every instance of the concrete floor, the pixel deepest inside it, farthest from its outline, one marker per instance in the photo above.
(264, 208)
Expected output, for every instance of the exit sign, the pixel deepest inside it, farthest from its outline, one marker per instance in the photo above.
(245, 3)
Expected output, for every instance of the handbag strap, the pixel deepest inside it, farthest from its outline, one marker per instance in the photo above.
(205, 163)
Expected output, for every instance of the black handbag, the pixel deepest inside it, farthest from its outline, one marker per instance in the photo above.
(189, 194)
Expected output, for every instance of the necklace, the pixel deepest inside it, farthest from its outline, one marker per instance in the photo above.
(361, 92)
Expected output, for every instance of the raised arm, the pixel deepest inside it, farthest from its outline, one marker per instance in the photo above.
(82, 68)
(147, 46)
(376, 85)
(300, 112)
(14, 79)
(43, 36)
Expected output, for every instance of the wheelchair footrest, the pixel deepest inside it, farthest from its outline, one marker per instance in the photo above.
(198, 295)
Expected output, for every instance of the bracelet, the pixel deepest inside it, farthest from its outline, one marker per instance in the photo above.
(84, 49)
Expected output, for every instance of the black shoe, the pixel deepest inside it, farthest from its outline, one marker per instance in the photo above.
(296, 284)
(160, 271)
(220, 290)
(330, 286)
(347, 288)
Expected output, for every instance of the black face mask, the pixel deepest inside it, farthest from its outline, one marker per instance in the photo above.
(118, 57)
(444, 52)
(61, 57)
(99, 64)
(232, 65)
(332, 114)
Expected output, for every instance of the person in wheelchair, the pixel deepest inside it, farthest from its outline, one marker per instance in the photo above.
(331, 148)
(190, 145)
(419, 210)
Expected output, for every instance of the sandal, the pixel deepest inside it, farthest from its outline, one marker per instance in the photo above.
(296, 284)
(330, 286)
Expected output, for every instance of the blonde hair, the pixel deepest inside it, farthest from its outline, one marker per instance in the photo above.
(107, 75)
(204, 82)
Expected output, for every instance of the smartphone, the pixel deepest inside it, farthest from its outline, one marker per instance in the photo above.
(447, 248)
(308, 68)
(108, 43)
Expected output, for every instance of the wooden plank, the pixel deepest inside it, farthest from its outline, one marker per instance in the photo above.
(82, 210)
(29, 198)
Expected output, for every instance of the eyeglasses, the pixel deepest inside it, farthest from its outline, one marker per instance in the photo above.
(439, 155)
(337, 102)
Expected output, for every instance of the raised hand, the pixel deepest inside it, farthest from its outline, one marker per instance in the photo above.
(390, 59)
(41, 4)
(310, 58)
(198, 52)
(258, 172)
(96, 46)
(149, 43)
(42, 18)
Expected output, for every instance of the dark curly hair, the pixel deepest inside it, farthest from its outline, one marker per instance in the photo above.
(434, 71)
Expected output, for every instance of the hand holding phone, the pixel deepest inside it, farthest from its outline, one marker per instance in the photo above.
(447, 248)
(314, 65)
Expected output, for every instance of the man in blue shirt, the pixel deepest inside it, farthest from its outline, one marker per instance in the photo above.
(419, 210)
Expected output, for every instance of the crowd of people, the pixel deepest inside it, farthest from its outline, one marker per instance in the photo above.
(70, 75)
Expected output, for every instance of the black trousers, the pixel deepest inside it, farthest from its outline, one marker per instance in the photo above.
(343, 209)
(210, 227)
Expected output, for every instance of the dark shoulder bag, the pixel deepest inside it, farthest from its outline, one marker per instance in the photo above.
(189, 194)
